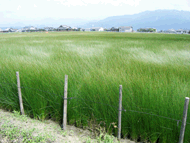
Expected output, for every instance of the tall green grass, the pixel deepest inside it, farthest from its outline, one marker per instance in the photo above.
(154, 70)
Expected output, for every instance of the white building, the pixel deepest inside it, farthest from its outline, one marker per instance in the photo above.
(187, 31)
(97, 29)
(126, 29)
(114, 29)
(181, 31)
(48, 28)
(74, 28)
(170, 31)
(19, 30)
(64, 28)
(29, 28)
(87, 29)
(10, 30)
(33, 28)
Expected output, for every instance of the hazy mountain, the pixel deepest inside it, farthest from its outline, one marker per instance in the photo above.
(17, 23)
(159, 19)
(64, 21)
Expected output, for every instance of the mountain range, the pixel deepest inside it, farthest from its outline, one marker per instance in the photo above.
(159, 19)
(41, 23)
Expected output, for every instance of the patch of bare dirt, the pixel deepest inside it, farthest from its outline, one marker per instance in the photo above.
(47, 129)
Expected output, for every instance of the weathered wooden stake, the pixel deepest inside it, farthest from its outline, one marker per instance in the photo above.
(119, 113)
(65, 103)
(19, 94)
(182, 131)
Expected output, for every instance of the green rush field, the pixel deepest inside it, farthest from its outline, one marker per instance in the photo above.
(154, 70)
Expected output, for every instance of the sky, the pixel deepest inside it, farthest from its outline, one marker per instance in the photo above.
(36, 10)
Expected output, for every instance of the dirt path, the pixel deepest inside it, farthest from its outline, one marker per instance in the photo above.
(16, 129)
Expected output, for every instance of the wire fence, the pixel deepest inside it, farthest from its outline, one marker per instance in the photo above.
(123, 108)
(49, 92)
(7, 83)
(78, 98)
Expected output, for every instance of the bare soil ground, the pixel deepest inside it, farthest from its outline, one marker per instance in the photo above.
(17, 129)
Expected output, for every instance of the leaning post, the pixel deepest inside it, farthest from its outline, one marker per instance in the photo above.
(19, 94)
(65, 103)
(182, 131)
(119, 112)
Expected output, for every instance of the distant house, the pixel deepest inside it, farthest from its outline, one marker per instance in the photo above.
(19, 30)
(126, 29)
(108, 30)
(9, 30)
(14, 30)
(97, 29)
(29, 29)
(182, 31)
(87, 29)
(187, 31)
(79, 29)
(179, 31)
(64, 28)
(6, 30)
(48, 28)
(114, 29)
(159, 31)
(74, 29)
(32, 28)
(147, 30)
(170, 31)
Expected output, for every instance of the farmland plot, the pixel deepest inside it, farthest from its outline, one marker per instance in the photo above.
(154, 70)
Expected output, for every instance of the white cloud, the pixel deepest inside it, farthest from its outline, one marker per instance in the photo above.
(19, 7)
(35, 5)
(86, 2)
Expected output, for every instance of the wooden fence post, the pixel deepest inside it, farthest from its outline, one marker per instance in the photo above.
(19, 94)
(119, 112)
(182, 131)
(65, 103)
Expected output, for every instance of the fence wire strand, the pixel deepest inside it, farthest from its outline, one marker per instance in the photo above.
(7, 83)
(152, 115)
(45, 91)
(91, 101)
(123, 109)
